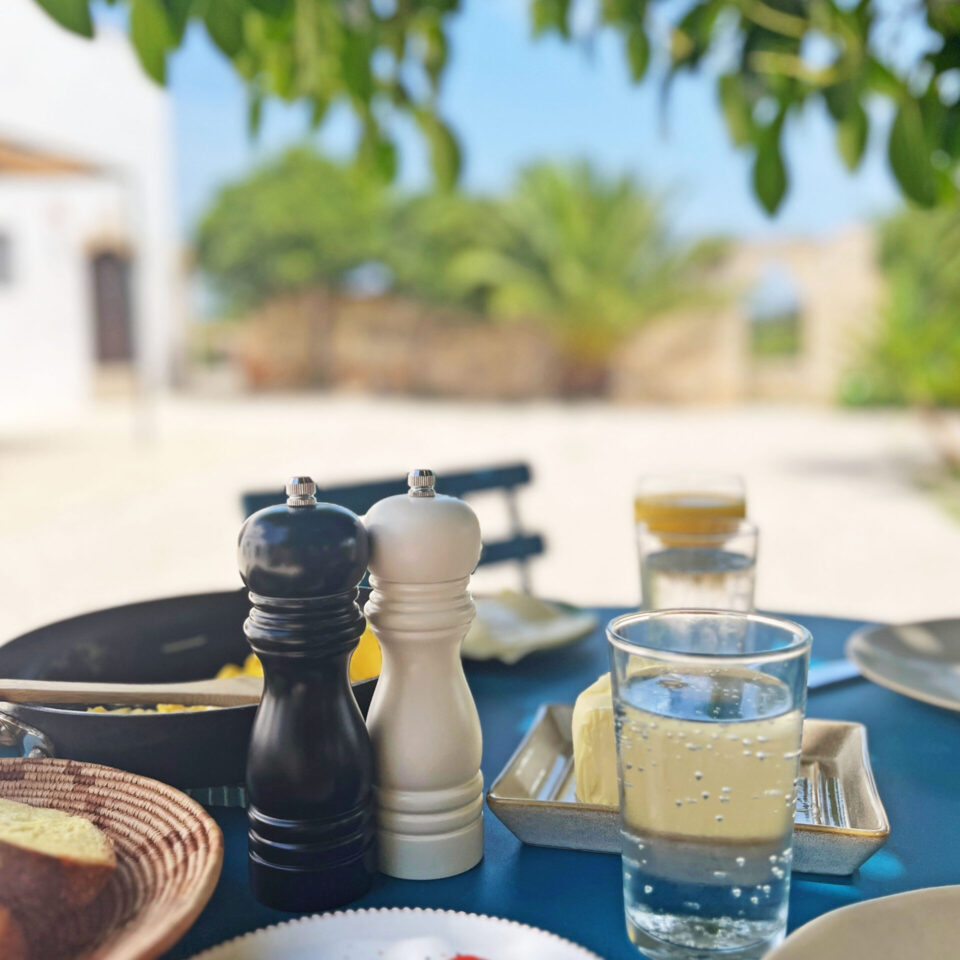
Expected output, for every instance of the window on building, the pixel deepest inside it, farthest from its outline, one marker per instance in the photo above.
(6, 258)
(775, 314)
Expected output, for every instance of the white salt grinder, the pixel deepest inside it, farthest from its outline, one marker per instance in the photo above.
(422, 719)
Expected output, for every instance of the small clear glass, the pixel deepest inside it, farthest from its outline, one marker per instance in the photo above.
(714, 570)
(709, 707)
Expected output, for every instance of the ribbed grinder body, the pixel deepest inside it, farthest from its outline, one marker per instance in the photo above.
(422, 719)
(310, 765)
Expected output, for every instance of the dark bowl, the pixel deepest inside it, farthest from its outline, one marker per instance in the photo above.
(177, 638)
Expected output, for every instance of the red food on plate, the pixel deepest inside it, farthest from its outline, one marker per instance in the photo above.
(465, 956)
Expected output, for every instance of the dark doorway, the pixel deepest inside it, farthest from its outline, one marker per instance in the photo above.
(112, 306)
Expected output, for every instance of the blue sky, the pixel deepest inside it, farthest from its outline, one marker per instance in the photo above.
(513, 100)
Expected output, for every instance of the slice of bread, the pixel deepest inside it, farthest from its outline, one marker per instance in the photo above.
(13, 944)
(50, 859)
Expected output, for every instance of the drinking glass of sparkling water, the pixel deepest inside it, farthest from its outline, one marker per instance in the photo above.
(708, 706)
(713, 569)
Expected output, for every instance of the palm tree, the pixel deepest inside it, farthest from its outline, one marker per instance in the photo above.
(587, 256)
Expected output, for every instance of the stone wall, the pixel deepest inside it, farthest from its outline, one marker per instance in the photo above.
(386, 345)
(705, 356)
(691, 357)
(701, 355)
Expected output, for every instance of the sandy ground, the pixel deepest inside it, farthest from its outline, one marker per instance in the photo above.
(104, 511)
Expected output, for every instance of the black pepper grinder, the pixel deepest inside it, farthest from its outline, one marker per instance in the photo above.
(310, 766)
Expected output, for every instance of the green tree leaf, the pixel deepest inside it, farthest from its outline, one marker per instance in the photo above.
(550, 15)
(224, 22)
(881, 79)
(950, 132)
(318, 112)
(435, 48)
(840, 99)
(638, 52)
(254, 113)
(355, 65)
(769, 172)
(736, 108)
(72, 14)
(948, 56)
(273, 8)
(152, 36)
(909, 155)
(852, 136)
(178, 13)
(377, 153)
(693, 35)
(445, 158)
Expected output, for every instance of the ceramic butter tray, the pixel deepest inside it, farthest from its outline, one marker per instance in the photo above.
(840, 820)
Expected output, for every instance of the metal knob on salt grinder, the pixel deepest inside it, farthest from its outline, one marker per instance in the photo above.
(422, 719)
(310, 766)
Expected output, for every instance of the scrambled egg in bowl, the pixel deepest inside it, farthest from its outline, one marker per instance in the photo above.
(364, 664)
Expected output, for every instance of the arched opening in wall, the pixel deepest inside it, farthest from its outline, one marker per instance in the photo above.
(774, 311)
(112, 312)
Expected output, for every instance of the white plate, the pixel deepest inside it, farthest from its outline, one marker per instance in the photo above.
(398, 934)
(509, 625)
(919, 660)
(921, 924)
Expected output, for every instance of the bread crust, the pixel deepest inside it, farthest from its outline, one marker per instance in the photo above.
(29, 878)
(13, 944)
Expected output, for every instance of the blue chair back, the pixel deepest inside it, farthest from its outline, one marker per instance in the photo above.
(519, 547)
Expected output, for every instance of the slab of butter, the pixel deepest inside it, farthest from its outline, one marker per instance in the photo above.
(595, 746)
(735, 783)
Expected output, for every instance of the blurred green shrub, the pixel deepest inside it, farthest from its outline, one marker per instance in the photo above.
(776, 336)
(297, 222)
(587, 256)
(914, 358)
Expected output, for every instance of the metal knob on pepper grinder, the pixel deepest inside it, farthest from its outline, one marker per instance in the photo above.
(422, 719)
(310, 766)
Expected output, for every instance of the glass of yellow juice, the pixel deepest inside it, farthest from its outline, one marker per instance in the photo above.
(689, 503)
(708, 709)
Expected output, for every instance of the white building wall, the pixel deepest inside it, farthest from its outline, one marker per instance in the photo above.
(88, 101)
(46, 319)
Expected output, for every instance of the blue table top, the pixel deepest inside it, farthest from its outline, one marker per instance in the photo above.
(913, 748)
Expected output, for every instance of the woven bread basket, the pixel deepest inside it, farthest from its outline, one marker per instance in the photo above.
(169, 854)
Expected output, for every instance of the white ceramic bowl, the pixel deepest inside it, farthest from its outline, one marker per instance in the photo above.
(398, 934)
